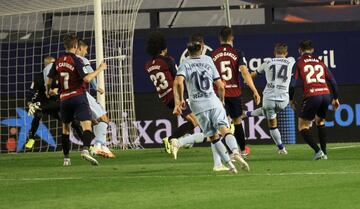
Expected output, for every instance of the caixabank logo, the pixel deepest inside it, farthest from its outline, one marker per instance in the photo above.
(23, 123)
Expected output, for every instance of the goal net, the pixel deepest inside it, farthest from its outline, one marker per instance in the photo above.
(30, 30)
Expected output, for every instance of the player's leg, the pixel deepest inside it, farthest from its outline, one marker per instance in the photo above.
(233, 107)
(65, 143)
(320, 123)
(307, 114)
(270, 109)
(82, 113)
(219, 120)
(34, 127)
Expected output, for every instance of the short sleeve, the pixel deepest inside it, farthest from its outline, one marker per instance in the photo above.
(262, 68)
(182, 69)
(79, 66)
(242, 59)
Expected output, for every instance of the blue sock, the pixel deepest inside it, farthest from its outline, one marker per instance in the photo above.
(100, 131)
(221, 150)
(216, 156)
(231, 142)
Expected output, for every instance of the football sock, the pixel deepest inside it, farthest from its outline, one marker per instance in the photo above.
(276, 136)
(306, 134)
(221, 150)
(240, 136)
(65, 143)
(88, 136)
(257, 112)
(322, 137)
(77, 127)
(182, 130)
(216, 156)
(35, 124)
(191, 139)
(100, 131)
(231, 143)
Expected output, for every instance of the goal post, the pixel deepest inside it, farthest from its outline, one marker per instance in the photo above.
(30, 33)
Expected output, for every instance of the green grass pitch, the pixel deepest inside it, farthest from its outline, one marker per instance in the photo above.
(144, 179)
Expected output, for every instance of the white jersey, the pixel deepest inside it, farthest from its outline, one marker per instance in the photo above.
(278, 73)
(88, 69)
(46, 72)
(199, 74)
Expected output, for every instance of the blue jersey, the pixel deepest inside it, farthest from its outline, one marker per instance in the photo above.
(199, 74)
(88, 69)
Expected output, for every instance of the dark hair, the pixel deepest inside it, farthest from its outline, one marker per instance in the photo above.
(306, 45)
(81, 42)
(155, 44)
(225, 34)
(197, 37)
(281, 48)
(70, 41)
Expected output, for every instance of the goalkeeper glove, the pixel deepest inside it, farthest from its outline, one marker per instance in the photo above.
(33, 107)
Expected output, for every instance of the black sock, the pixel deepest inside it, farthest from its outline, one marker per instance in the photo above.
(306, 134)
(78, 129)
(35, 124)
(65, 143)
(240, 136)
(87, 137)
(182, 130)
(322, 137)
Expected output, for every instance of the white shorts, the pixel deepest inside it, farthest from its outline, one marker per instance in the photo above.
(272, 107)
(96, 109)
(212, 120)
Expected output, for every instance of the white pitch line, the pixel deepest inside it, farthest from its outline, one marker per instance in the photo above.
(177, 176)
(344, 147)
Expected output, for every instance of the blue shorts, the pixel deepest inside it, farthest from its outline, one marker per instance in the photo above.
(76, 107)
(315, 105)
(185, 112)
(211, 120)
(233, 107)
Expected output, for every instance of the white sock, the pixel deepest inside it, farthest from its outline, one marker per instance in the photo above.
(232, 143)
(276, 136)
(216, 156)
(191, 139)
(258, 112)
(221, 150)
(100, 131)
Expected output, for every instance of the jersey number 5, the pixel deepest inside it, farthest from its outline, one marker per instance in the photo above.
(66, 79)
(226, 72)
(318, 70)
(159, 78)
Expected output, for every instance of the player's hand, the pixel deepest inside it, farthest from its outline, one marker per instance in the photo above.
(103, 65)
(53, 92)
(179, 108)
(257, 98)
(335, 104)
(293, 105)
(100, 90)
(33, 107)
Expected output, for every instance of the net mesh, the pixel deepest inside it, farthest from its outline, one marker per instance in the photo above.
(33, 30)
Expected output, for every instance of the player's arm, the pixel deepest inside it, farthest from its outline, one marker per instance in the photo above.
(178, 89)
(221, 89)
(292, 86)
(259, 70)
(52, 75)
(334, 89)
(249, 81)
(90, 76)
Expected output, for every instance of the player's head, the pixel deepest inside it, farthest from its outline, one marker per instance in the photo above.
(156, 44)
(226, 35)
(48, 60)
(281, 50)
(195, 45)
(82, 49)
(306, 47)
(70, 42)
